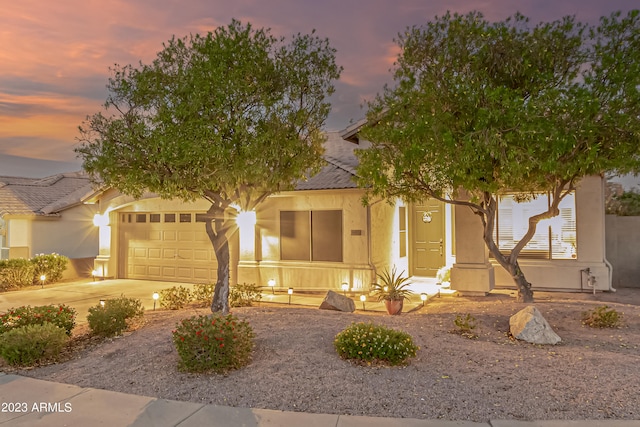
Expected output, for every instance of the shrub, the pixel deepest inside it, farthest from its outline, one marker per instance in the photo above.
(602, 317)
(375, 343)
(203, 293)
(244, 295)
(175, 298)
(115, 316)
(16, 273)
(60, 315)
(465, 326)
(51, 265)
(29, 344)
(213, 343)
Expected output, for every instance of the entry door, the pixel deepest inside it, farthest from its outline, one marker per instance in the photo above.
(428, 233)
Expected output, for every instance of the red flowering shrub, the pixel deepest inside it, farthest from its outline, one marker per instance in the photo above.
(60, 315)
(213, 343)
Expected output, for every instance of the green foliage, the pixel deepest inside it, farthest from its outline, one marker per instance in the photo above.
(30, 344)
(60, 315)
(465, 325)
(602, 317)
(115, 316)
(375, 343)
(244, 295)
(505, 107)
(393, 286)
(625, 204)
(175, 298)
(213, 343)
(16, 273)
(50, 265)
(228, 117)
(202, 293)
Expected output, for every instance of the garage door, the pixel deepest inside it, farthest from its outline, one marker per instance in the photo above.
(168, 246)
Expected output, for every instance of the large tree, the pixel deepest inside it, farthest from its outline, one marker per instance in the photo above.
(231, 117)
(503, 107)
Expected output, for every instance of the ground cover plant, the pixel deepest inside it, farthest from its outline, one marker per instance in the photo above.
(371, 343)
(244, 295)
(602, 317)
(60, 315)
(29, 344)
(175, 298)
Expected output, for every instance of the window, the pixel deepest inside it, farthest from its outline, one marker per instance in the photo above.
(141, 217)
(311, 235)
(185, 217)
(169, 217)
(555, 238)
(402, 230)
(154, 217)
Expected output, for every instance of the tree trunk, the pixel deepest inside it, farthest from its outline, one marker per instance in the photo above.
(525, 294)
(216, 231)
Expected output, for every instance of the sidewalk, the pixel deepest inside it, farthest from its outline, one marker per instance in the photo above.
(36, 403)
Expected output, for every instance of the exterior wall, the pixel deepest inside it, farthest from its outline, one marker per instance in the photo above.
(623, 249)
(385, 237)
(568, 274)
(19, 237)
(260, 259)
(72, 234)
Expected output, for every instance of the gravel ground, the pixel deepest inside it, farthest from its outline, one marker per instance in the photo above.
(592, 374)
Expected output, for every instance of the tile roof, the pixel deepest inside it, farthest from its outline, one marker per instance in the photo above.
(340, 169)
(42, 196)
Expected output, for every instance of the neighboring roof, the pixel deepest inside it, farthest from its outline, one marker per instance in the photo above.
(340, 171)
(42, 196)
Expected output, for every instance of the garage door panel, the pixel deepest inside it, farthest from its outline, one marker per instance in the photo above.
(202, 237)
(201, 274)
(155, 271)
(186, 236)
(155, 235)
(155, 253)
(201, 255)
(140, 253)
(185, 273)
(185, 254)
(169, 235)
(169, 253)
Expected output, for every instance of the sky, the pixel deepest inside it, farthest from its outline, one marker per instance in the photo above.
(55, 56)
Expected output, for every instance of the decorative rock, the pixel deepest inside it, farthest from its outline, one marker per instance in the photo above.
(335, 301)
(529, 325)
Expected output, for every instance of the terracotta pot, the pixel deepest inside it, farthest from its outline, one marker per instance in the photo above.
(394, 306)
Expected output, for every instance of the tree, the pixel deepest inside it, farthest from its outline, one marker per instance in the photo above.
(503, 107)
(230, 117)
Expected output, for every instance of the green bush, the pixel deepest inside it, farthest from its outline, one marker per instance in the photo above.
(602, 317)
(244, 295)
(465, 325)
(16, 273)
(175, 298)
(203, 293)
(375, 343)
(213, 343)
(29, 344)
(114, 316)
(50, 265)
(60, 315)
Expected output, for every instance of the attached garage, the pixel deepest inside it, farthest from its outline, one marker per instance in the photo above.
(166, 246)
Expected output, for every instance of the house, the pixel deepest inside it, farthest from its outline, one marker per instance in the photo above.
(321, 236)
(46, 215)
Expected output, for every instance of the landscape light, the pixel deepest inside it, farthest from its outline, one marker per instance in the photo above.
(42, 279)
(345, 288)
(156, 296)
(363, 298)
(101, 303)
(272, 285)
(423, 297)
(290, 292)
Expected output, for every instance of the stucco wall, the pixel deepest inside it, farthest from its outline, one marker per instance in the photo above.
(72, 234)
(623, 249)
(261, 261)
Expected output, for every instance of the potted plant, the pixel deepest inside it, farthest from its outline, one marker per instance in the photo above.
(392, 289)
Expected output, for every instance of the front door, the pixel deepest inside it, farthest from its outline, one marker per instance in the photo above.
(427, 238)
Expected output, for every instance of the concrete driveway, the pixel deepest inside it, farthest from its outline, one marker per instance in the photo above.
(86, 293)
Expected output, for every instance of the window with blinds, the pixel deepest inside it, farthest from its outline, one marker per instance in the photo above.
(555, 238)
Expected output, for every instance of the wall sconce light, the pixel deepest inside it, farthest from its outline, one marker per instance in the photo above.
(101, 303)
(290, 292)
(156, 296)
(363, 298)
(423, 297)
(345, 288)
(94, 273)
(42, 279)
(426, 217)
(101, 220)
(272, 285)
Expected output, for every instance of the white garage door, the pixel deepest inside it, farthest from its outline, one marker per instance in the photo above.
(168, 246)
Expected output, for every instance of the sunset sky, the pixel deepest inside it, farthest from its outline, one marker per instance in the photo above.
(55, 55)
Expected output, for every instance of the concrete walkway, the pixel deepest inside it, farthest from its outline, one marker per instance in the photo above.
(31, 402)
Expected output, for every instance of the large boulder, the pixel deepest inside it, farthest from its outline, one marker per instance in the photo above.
(529, 325)
(335, 301)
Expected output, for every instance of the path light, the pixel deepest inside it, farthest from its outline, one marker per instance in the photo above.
(290, 292)
(156, 296)
(272, 285)
(42, 279)
(363, 298)
(423, 297)
(101, 303)
(94, 273)
(345, 288)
